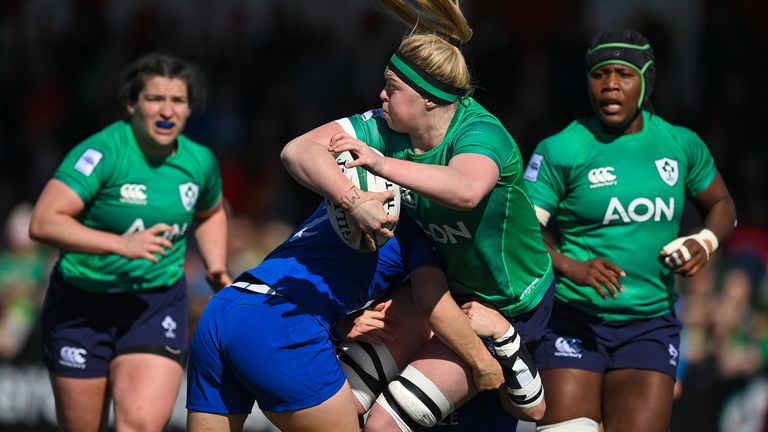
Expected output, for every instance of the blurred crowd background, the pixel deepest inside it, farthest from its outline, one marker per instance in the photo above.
(277, 68)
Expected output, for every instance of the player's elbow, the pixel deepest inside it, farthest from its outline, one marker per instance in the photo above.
(289, 153)
(37, 228)
(466, 200)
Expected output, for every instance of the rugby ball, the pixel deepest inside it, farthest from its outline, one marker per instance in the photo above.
(345, 229)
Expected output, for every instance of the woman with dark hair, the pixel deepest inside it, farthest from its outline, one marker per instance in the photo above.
(119, 207)
(617, 178)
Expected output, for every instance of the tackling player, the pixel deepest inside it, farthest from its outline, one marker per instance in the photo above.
(270, 336)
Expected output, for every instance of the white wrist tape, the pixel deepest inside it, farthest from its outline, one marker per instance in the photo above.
(507, 345)
(672, 260)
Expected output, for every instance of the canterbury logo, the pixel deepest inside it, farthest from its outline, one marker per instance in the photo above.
(600, 177)
(133, 194)
(73, 357)
(568, 347)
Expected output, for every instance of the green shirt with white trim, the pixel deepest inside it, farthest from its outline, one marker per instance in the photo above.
(125, 191)
(494, 251)
(621, 198)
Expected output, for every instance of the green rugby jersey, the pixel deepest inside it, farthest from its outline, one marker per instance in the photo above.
(620, 198)
(126, 191)
(494, 251)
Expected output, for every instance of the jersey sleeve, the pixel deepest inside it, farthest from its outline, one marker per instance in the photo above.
(545, 178)
(87, 167)
(488, 139)
(212, 185)
(701, 166)
(369, 127)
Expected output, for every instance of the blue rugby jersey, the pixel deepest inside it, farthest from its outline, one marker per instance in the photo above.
(299, 267)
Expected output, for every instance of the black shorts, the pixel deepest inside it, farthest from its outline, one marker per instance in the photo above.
(84, 331)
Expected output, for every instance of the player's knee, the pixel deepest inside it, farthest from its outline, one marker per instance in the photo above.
(414, 401)
(368, 369)
(581, 424)
(141, 423)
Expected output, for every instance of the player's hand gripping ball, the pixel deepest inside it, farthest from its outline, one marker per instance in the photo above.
(347, 231)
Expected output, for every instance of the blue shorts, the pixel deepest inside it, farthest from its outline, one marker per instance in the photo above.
(482, 413)
(255, 347)
(577, 340)
(83, 331)
(530, 325)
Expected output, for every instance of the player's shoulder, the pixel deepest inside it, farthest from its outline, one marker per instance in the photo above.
(110, 138)
(372, 116)
(368, 122)
(476, 115)
(477, 122)
(98, 153)
(569, 143)
(105, 146)
(677, 133)
(199, 158)
(195, 149)
(577, 130)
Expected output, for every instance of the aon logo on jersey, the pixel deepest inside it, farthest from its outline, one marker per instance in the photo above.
(446, 234)
(176, 233)
(639, 210)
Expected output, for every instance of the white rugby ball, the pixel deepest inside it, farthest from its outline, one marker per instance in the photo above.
(347, 232)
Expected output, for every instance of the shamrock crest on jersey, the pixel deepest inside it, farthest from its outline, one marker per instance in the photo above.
(189, 192)
(667, 170)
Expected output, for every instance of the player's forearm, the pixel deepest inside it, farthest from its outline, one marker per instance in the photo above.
(65, 232)
(211, 237)
(310, 164)
(446, 318)
(560, 262)
(452, 327)
(721, 218)
(444, 185)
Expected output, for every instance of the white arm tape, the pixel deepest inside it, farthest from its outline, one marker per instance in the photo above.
(542, 215)
(507, 345)
(706, 234)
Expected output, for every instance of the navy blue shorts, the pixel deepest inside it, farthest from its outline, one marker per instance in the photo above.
(251, 347)
(577, 340)
(482, 413)
(84, 331)
(530, 325)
